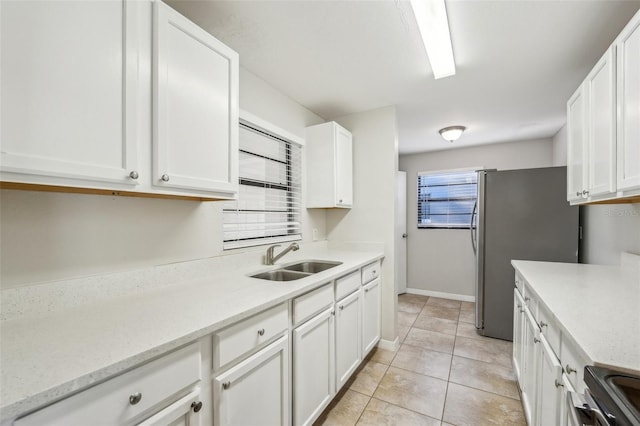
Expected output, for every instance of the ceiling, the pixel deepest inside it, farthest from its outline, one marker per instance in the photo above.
(518, 61)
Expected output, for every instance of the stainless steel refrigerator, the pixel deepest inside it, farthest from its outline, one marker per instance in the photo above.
(519, 214)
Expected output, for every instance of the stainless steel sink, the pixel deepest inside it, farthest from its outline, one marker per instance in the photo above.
(312, 267)
(280, 275)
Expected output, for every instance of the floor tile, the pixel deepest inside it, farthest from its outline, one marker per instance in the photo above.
(436, 324)
(466, 329)
(383, 356)
(346, 411)
(444, 303)
(489, 350)
(405, 318)
(367, 378)
(402, 330)
(485, 376)
(467, 316)
(413, 298)
(466, 406)
(413, 391)
(430, 340)
(382, 413)
(468, 306)
(409, 307)
(423, 361)
(440, 312)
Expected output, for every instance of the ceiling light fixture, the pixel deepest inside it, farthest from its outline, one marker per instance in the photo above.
(452, 133)
(431, 16)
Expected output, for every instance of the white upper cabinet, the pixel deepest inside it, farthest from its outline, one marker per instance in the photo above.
(68, 83)
(99, 97)
(195, 110)
(329, 166)
(628, 76)
(603, 125)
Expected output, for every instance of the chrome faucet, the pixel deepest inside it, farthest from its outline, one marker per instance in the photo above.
(270, 259)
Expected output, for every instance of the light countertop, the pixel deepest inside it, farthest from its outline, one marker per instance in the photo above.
(598, 306)
(51, 352)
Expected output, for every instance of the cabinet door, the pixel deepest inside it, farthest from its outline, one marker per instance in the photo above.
(348, 338)
(183, 412)
(256, 391)
(344, 167)
(195, 142)
(576, 167)
(370, 316)
(566, 388)
(549, 390)
(601, 128)
(531, 339)
(313, 367)
(628, 86)
(518, 312)
(68, 84)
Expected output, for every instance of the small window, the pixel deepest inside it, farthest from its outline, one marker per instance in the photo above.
(268, 206)
(446, 199)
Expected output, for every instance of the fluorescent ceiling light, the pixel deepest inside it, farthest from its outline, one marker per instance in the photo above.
(431, 16)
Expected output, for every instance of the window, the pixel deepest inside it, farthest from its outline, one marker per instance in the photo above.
(446, 199)
(268, 206)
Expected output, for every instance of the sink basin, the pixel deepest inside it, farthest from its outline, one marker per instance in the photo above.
(280, 275)
(619, 392)
(312, 267)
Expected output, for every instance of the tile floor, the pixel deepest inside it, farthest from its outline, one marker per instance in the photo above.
(444, 373)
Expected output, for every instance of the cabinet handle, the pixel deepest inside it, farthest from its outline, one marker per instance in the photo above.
(333, 313)
(585, 192)
(536, 340)
(519, 306)
(135, 398)
(521, 310)
(196, 406)
(134, 175)
(578, 194)
(341, 307)
(374, 271)
(527, 298)
(569, 369)
(340, 200)
(165, 178)
(543, 324)
(226, 385)
(366, 290)
(261, 332)
(558, 384)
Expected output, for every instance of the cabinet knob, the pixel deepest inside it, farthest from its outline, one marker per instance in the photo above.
(333, 313)
(366, 290)
(374, 271)
(578, 194)
(519, 306)
(341, 307)
(196, 406)
(261, 332)
(134, 175)
(340, 200)
(526, 299)
(543, 324)
(165, 178)
(536, 340)
(135, 398)
(569, 369)
(226, 385)
(558, 384)
(585, 192)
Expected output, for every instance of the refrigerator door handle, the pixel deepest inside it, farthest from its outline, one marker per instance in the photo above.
(471, 229)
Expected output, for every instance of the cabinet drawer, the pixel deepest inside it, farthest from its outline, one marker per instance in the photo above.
(347, 284)
(531, 302)
(519, 282)
(370, 272)
(549, 328)
(247, 335)
(111, 402)
(307, 305)
(573, 363)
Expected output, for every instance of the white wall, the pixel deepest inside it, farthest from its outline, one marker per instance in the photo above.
(442, 260)
(375, 162)
(52, 236)
(607, 230)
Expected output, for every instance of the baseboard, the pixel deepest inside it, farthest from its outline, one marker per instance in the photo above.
(389, 345)
(461, 297)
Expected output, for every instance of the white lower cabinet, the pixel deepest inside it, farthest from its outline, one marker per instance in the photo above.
(549, 398)
(370, 316)
(348, 337)
(255, 391)
(313, 367)
(162, 391)
(529, 382)
(518, 323)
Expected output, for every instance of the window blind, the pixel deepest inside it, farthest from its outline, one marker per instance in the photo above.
(446, 199)
(268, 206)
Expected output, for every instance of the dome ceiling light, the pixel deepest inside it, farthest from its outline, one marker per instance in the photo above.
(452, 133)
